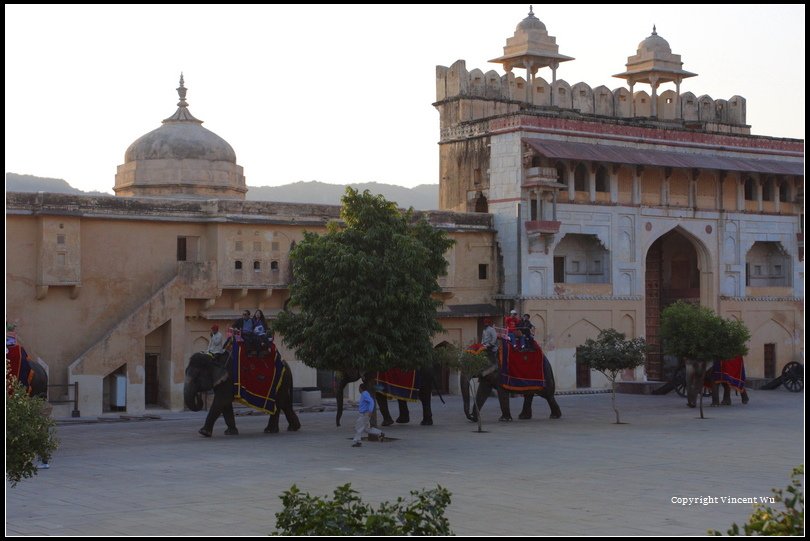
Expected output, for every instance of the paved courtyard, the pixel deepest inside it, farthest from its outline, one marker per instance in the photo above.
(581, 474)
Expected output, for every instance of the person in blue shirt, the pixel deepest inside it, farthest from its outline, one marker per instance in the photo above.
(363, 424)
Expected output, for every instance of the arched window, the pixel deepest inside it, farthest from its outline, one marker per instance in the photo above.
(749, 189)
(481, 204)
(257, 266)
(767, 189)
(602, 180)
(581, 178)
(237, 265)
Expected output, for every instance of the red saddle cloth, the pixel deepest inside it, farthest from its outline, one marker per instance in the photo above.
(521, 369)
(399, 384)
(19, 366)
(256, 379)
(731, 371)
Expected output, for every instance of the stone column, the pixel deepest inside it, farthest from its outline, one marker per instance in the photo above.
(592, 183)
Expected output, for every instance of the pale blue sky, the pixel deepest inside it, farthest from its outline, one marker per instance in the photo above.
(342, 93)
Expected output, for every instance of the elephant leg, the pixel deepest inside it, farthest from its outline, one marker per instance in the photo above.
(230, 419)
(385, 411)
(526, 412)
(744, 396)
(427, 412)
(716, 394)
(726, 395)
(293, 422)
(404, 413)
(222, 400)
(503, 399)
(272, 422)
(556, 412)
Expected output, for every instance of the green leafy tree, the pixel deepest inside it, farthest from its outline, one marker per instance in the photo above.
(766, 520)
(30, 433)
(695, 334)
(346, 514)
(611, 353)
(362, 294)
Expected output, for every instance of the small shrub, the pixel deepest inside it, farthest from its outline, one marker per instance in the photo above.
(346, 514)
(766, 520)
(29, 432)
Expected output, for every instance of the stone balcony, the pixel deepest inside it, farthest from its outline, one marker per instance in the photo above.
(542, 227)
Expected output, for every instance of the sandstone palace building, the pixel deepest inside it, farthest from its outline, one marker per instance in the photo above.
(587, 208)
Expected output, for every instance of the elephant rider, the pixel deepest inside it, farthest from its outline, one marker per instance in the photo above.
(489, 339)
(216, 342)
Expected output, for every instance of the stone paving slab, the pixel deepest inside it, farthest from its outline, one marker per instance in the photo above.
(579, 475)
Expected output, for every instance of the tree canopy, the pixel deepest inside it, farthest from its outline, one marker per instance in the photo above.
(361, 294)
(696, 333)
(611, 353)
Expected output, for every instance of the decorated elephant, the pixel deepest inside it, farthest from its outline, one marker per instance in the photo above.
(263, 382)
(517, 371)
(729, 373)
(401, 385)
(30, 373)
(703, 374)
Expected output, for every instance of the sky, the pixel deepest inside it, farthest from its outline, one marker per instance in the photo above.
(343, 94)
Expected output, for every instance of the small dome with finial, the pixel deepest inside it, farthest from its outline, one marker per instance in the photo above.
(180, 159)
(654, 44)
(181, 136)
(530, 22)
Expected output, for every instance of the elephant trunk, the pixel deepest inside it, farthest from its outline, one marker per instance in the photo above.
(191, 397)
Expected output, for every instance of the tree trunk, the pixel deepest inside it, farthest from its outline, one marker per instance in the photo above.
(613, 398)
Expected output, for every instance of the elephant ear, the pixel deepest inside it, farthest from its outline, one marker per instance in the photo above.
(219, 374)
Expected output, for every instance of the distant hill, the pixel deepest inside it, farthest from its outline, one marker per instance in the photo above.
(30, 183)
(422, 197)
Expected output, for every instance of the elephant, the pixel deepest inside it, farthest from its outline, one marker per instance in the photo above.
(30, 373)
(206, 372)
(491, 379)
(425, 390)
(700, 374)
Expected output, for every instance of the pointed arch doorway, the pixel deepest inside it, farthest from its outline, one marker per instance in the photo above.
(672, 273)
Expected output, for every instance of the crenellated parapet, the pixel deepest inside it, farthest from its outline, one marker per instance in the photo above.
(480, 95)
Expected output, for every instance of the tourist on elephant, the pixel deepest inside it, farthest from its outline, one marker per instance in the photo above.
(363, 424)
(243, 329)
(511, 323)
(527, 330)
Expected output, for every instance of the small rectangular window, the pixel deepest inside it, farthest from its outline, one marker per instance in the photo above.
(274, 246)
(777, 270)
(238, 246)
(596, 266)
(757, 270)
(60, 239)
(575, 266)
(482, 271)
(181, 249)
(257, 246)
(61, 259)
(559, 270)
